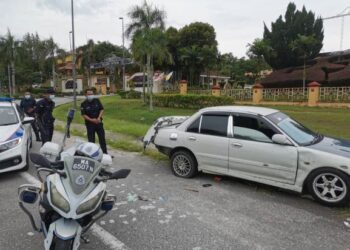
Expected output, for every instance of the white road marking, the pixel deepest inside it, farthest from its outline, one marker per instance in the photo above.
(107, 238)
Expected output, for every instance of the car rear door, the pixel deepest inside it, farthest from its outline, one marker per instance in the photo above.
(207, 138)
(253, 154)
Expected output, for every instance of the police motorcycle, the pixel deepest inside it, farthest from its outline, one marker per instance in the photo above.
(72, 194)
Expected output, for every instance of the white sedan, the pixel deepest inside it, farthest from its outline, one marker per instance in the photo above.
(15, 137)
(257, 144)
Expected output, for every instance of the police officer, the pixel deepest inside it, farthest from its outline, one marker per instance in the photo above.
(28, 104)
(92, 111)
(45, 120)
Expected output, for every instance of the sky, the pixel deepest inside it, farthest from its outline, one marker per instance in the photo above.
(236, 22)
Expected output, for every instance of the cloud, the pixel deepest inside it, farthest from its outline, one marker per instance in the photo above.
(81, 7)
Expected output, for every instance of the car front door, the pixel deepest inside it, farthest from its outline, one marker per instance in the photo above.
(253, 154)
(207, 138)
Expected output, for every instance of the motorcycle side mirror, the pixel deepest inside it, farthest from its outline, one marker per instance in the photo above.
(120, 174)
(40, 160)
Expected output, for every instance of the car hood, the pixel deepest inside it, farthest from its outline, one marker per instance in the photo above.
(7, 131)
(334, 146)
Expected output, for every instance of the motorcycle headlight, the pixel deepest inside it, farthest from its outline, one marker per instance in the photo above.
(10, 144)
(90, 204)
(58, 200)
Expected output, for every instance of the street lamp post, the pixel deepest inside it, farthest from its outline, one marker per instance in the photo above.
(73, 59)
(124, 85)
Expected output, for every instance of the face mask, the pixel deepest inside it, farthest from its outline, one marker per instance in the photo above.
(52, 97)
(27, 97)
(90, 97)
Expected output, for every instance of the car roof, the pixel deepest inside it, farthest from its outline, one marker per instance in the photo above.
(242, 109)
(6, 104)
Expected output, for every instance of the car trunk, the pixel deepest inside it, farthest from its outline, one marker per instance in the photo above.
(162, 122)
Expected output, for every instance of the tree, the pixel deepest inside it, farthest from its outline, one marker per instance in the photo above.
(197, 48)
(8, 44)
(147, 32)
(279, 46)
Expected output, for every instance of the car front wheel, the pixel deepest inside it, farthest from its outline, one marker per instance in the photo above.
(330, 187)
(183, 164)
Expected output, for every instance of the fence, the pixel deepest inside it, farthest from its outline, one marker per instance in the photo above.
(313, 95)
(334, 94)
(239, 94)
(285, 94)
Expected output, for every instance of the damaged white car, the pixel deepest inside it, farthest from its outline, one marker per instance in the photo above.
(257, 144)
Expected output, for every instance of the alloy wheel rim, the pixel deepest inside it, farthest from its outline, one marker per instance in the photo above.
(181, 165)
(329, 187)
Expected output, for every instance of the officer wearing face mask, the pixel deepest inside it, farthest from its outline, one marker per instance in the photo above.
(28, 104)
(92, 111)
(45, 120)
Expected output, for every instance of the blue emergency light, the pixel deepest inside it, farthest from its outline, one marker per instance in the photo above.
(6, 99)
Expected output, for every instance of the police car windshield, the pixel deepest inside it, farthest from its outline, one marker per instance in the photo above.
(8, 116)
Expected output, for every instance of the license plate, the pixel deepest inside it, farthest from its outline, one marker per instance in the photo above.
(83, 165)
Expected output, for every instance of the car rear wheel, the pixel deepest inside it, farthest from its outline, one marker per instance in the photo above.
(183, 164)
(330, 187)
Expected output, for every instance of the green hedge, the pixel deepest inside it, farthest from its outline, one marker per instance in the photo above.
(132, 94)
(191, 101)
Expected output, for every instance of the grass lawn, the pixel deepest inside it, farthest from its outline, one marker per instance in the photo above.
(131, 117)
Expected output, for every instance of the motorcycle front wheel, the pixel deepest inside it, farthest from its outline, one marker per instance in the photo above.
(59, 244)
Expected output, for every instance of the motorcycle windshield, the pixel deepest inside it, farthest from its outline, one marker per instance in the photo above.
(81, 171)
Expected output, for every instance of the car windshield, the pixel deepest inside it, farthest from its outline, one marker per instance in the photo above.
(293, 129)
(8, 116)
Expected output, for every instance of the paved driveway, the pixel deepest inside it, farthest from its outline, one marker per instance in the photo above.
(156, 210)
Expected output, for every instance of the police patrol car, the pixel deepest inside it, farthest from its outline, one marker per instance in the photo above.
(15, 136)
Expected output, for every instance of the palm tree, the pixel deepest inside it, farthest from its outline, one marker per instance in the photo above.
(7, 52)
(147, 32)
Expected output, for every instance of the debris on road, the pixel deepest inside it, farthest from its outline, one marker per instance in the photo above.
(206, 185)
(192, 190)
(132, 197)
(142, 198)
(217, 178)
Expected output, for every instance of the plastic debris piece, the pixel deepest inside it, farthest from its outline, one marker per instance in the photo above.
(125, 222)
(163, 198)
(207, 185)
(30, 233)
(217, 178)
(142, 198)
(111, 221)
(192, 190)
(132, 197)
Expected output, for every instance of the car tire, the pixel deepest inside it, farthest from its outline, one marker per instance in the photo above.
(329, 186)
(183, 164)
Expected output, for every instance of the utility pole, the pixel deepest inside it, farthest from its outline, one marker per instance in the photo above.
(342, 15)
(124, 84)
(73, 56)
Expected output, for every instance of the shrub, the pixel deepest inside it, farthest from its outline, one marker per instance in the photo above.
(132, 94)
(191, 101)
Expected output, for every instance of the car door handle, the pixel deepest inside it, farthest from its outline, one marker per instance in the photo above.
(192, 138)
(236, 145)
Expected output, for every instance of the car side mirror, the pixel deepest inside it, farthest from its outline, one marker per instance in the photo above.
(120, 174)
(281, 139)
(27, 120)
(40, 160)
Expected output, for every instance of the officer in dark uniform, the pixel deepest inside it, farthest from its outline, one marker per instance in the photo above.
(45, 120)
(28, 104)
(92, 111)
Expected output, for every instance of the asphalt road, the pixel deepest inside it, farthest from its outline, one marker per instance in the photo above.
(156, 210)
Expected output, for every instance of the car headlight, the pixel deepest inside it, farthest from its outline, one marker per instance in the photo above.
(10, 144)
(90, 204)
(58, 200)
